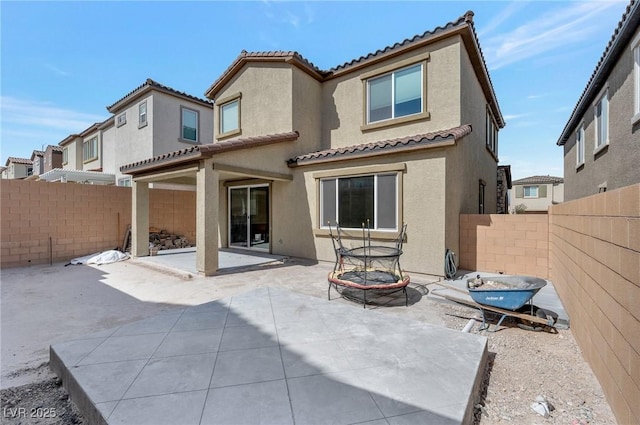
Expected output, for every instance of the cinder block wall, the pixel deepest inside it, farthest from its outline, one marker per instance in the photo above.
(507, 243)
(595, 267)
(79, 219)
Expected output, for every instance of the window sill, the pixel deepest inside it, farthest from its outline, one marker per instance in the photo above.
(228, 134)
(95, 158)
(635, 119)
(191, 142)
(600, 148)
(395, 121)
(143, 125)
(383, 235)
(580, 166)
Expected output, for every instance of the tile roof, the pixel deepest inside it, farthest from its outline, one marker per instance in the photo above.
(539, 180)
(466, 18)
(206, 151)
(420, 141)
(627, 26)
(16, 160)
(470, 37)
(36, 153)
(55, 148)
(269, 56)
(151, 84)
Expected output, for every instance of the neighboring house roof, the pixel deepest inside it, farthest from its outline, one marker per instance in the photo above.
(147, 86)
(625, 30)
(2, 168)
(13, 159)
(206, 151)
(420, 141)
(539, 180)
(54, 149)
(463, 26)
(36, 153)
(70, 138)
(89, 130)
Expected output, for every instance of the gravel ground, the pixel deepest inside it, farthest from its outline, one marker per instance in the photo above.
(523, 365)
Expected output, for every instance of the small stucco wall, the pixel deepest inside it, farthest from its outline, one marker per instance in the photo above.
(595, 267)
(505, 243)
(79, 219)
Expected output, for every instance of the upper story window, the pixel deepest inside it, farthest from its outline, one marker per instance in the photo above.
(125, 182)
(580, 146)
(395, 94)
(229, 123)
(601, 118)
(90, 149)
(121, 120)
(65, 155)
(635, 46)
(491, 133)
(481, 186)
(142, 114)
(189, 125)
(352, 201)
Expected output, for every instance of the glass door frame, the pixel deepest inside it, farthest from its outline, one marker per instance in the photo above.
(249, 187)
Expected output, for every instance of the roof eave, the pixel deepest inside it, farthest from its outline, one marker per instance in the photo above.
(600, 75)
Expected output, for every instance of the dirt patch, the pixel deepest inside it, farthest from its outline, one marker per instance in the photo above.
(44, 402)
(525, 365)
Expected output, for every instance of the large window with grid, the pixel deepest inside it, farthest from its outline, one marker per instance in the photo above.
(90, 149)
(357, 200)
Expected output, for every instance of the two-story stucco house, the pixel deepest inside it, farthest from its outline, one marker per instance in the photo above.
(407, 134)
(151, 120)
(17, 168)
(37, 159)
(602, 136)
(535, 194)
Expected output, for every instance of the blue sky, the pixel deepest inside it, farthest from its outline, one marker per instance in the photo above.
(62, 63)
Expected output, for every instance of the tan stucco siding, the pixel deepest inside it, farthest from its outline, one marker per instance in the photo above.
(344, 101)
(295, 218)
(133, 142)
(266, 103)
(74, 155)
(307, 111)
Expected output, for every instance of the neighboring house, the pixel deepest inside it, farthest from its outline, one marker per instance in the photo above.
(3, 173)
(601, 138)
(407, 134)
(151, 120)
(504, 185)
(52, 158)
(37, 159)
(534, 195)
(18, 168)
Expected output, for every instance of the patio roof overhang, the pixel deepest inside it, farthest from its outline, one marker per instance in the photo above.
(62, 175)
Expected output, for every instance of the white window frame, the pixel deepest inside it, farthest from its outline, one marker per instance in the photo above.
(65, 155)
(222, 114)
(184, 109)
(124, 182)
(491, 132)
(90, 149)
(603, 104)
(393, 84)
(580, 146)
(374, 225)
(142, 114)
(524, 191)
(635, 49)
(121, 119)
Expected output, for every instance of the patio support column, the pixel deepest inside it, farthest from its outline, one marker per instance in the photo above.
(207, 204)
(140, 219)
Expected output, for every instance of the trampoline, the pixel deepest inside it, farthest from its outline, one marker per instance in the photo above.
(368, 267)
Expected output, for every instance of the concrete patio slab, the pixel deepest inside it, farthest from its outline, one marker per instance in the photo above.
(300, 360)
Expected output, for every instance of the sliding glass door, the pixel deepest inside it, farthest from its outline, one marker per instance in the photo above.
(249, 217)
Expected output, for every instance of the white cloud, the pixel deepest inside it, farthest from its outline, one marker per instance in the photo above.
(501, 17)
(514, 116)
(56, 70)
(29, 114)
(555, 29)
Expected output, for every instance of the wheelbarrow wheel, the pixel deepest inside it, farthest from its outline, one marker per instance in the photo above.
(529, 325)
